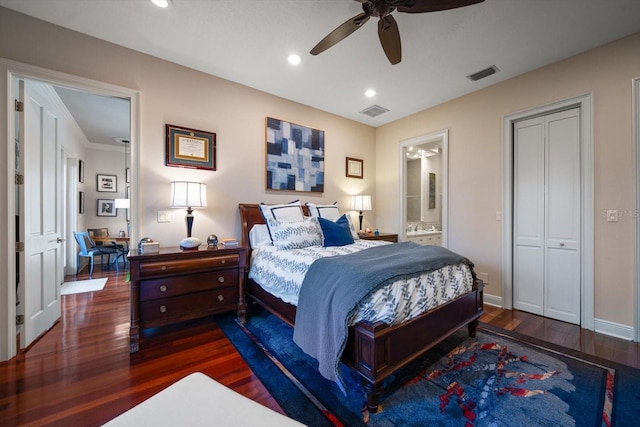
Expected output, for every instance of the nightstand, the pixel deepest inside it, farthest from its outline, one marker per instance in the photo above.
(176, 285)
(382, 236)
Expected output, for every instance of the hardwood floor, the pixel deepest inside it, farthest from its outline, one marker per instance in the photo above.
(80, 373)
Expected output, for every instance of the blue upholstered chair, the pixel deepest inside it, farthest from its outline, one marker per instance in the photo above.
(88, 249)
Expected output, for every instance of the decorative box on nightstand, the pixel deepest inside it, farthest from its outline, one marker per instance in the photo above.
(382, 236)
(173, 286)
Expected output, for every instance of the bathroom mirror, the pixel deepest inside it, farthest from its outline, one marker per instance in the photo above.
(424, 170)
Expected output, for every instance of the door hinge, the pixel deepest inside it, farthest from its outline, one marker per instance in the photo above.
(19, 246)
(20, 319)
(19, 179)
(19, 106)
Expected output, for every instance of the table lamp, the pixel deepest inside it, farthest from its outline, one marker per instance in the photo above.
(361, 203)
(189, 195)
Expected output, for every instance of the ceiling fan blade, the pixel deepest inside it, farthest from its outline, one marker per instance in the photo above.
(340, 33)
(422, 6)
(390, 39)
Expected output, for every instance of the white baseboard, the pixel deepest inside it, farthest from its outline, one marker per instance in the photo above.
(492, 300)
(605, 327)
(614, 329)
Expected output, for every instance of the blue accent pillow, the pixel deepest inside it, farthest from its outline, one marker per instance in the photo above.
(336, 233)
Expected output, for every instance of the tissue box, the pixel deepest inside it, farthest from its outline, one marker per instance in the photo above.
(150, 248)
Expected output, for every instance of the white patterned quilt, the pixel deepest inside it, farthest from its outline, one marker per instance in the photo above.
(281, 272)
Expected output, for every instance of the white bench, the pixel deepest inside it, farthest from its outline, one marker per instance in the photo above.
(197, 400)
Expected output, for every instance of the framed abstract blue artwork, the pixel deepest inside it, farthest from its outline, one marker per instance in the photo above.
(295, 157)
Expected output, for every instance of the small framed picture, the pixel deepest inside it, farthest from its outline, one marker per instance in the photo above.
(355, 168)
(81, 202)
(107, 207)
(107, 183)
(80, 171)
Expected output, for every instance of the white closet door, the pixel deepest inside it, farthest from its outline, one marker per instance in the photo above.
(547, 216)
(562, 282)
(528, 224)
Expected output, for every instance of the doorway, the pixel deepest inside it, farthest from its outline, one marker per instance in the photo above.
(424, 170)
(585, 204)
(21, 72)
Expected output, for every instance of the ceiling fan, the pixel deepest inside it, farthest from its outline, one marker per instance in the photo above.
(387, 25)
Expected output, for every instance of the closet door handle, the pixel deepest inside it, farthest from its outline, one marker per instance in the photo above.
(562, 245)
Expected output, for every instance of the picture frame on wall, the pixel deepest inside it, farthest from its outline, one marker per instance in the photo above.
(295, 157)
(107, 207)
(354, 168)
(81, 202)
(80, 171)
(190, 148)
(107, 183)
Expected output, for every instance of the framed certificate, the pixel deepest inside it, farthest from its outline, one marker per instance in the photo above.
(190, 148)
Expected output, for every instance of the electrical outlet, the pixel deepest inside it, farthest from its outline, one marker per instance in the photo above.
(612, 216)
(499, 216)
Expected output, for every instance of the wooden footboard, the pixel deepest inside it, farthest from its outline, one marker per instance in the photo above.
(376, 350)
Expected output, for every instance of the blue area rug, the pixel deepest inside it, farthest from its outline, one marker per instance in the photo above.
(495, 379)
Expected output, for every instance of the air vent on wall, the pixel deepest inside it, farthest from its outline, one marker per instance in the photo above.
(483, 73)
(374, 110)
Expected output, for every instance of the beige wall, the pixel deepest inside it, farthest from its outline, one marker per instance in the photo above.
(184, 97)
(475, 164)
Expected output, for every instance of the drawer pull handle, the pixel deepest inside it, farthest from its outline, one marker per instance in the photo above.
(220, 298)
(221, 279)
(163, 268)
(163, 309)
(163, 288)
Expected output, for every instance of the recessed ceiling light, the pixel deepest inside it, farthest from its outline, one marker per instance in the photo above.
(370, 93)
(161, 3)
(294, 59)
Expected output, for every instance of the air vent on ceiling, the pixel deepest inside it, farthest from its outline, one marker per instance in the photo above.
(374, 110)
(483, 73)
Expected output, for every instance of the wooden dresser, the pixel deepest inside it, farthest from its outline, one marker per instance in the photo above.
(175, 285)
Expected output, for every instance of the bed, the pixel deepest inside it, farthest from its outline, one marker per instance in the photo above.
(375, 350)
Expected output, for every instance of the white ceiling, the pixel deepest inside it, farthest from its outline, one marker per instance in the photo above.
(248, 41)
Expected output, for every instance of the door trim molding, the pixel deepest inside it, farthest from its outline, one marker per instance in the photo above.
(635, 108)
(585, 102)
(10, 70)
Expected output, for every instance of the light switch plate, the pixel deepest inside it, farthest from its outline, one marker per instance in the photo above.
(612, 216)
(164, 216)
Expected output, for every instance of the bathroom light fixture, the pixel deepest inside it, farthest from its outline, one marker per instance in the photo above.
(185, 194)
(361, 202)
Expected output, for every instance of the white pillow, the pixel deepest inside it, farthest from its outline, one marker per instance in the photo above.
(295, 234)
(283, 212)
(354, 233)
(330, 212)
(259, 236)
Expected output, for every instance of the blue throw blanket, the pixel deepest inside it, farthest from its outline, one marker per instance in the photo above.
(334, 286)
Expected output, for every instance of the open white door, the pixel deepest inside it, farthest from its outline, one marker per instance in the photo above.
(39, 208)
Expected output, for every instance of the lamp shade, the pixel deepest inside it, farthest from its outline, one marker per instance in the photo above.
(186, 194)
(361, 202)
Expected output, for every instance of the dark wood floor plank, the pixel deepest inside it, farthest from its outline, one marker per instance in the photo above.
(81, 372)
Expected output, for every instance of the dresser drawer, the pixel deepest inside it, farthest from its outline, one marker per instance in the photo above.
(180, 285)
(166, 311)
(181, 266)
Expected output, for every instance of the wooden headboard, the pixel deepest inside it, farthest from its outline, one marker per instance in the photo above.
(250, 215)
